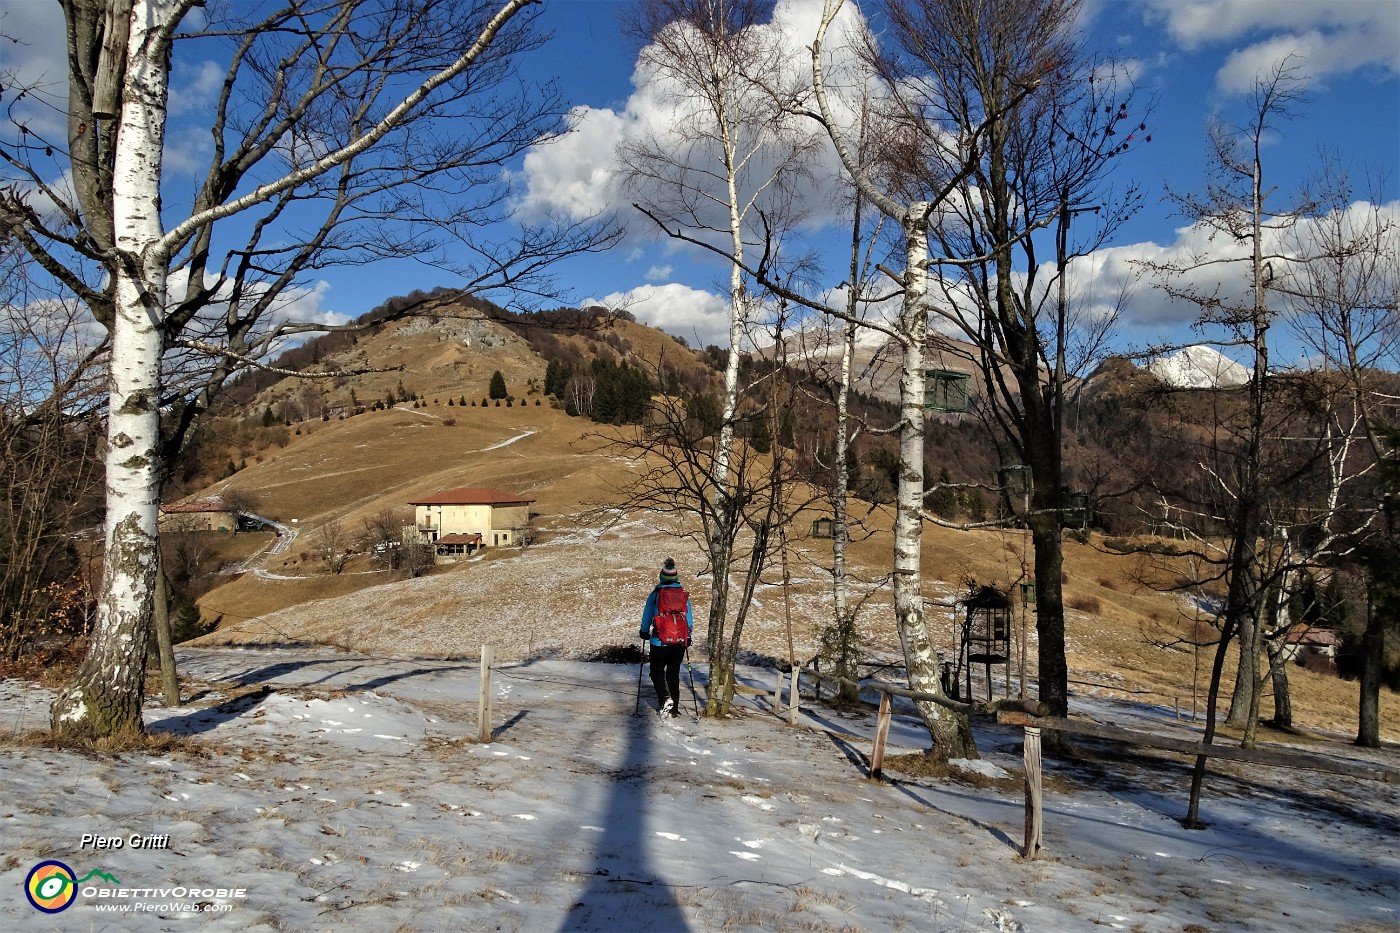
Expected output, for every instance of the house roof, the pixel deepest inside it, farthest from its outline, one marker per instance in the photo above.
(1320, 637)
(187, 506)
(459, 539)
(473, 495)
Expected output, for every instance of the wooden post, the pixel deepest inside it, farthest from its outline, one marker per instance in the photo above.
(882, 734)
(484, 700)
(794, 697)
(778, 695)
(1034, 816)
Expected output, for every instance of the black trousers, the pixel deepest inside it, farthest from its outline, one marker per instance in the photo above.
(666, 671)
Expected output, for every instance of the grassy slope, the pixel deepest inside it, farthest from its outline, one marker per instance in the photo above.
(581, 588)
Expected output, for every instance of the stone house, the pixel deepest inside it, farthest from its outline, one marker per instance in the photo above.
(1313, 648)
(459, 521)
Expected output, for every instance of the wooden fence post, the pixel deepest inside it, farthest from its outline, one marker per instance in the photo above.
(1034, 816)
(882, 733)
(484, 700)
(778, 695)
(794, 696)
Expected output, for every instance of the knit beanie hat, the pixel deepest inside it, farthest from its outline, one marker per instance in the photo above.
(669, 573)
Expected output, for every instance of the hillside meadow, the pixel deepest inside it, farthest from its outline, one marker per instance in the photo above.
(578, 587)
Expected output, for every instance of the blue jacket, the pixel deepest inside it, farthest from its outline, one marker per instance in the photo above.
(649, 614)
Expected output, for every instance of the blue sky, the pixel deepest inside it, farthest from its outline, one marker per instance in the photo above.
(1191, 59)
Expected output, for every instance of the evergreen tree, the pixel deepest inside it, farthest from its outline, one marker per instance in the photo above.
(760, 439)
(944, 499)
(556, 377)
(498, 386)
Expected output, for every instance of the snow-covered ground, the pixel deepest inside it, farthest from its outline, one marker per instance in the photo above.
(320, 790)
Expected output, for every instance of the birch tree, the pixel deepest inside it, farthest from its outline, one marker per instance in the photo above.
(341, 132)
(1045, 154)
(721, 169)
(917, 134)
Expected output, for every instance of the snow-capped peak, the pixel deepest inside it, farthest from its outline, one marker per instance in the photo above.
(1198, 367)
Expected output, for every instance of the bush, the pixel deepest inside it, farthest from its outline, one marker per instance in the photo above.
(449, 422)
(1088, 604)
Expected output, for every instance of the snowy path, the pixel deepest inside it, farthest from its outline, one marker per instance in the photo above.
(348, 797)
(508, 441)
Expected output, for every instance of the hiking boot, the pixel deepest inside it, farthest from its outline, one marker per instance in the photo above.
(675, 712)
(669, 707)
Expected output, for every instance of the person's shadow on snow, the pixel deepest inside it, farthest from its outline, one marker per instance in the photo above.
(625, 892)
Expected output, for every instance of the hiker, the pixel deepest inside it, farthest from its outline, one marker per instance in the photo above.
(666, 622)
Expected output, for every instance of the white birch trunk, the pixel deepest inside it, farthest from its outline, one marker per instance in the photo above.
(105, 697)
(950, 732)
(951, 735)
(722, 652)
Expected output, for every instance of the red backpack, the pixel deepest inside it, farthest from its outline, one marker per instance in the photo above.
(670, 622)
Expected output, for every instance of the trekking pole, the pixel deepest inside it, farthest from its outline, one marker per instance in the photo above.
(636, 710)
(694, 698)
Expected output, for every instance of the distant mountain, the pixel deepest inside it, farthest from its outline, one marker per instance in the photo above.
(1198, 367)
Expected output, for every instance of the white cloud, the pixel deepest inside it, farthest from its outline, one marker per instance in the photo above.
(193, 86)
(575, 176)
(1329, 38)
(701, 317)
(578, 176)
(658, 273)
(1151, 313)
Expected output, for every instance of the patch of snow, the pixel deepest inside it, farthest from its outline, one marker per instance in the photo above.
(580, 816)
(1198, 367)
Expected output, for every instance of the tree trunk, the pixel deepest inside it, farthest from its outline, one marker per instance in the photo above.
(105, 696)
(1052, 668)
(1242, 598)
(1243, 698)
(951, 734)
(1283, 701)
(1198, 772)
(722, 534)
(843, 621)
(165, 646)
(1368, 730)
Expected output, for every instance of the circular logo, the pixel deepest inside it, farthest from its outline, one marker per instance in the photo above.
(50, 886)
